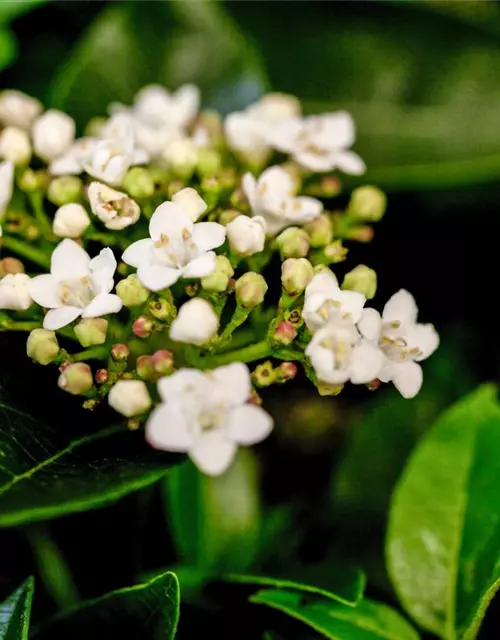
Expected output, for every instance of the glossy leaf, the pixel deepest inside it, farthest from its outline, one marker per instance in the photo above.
(44, 474)
(443, 543)
(368, 621)
(15, 613)
(149, 611)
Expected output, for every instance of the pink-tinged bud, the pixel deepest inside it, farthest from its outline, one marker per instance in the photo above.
(76, 378)
(142, 327)
(331, 186)
(285, 333)
(120, 352)
(163, 362)
(145, 369)
(374, 385)
(361, 234)
(101, 376)
(10, 265)
(286, 371)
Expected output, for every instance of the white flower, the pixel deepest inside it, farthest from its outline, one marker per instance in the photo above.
(207, 415)
(192, 203)
(196, 323)
(181, 155)
(246, 235)
(157, 106)
(76, 286)
(338, 354)
(275, 107)
(403, 341)
(53, 134)
(14, 292)
(177, 248)
(129, 397)
(15, 145)
(272, 196)
(324, 300)
(17, 109)
(72, 162)
(70, 221)
(110, 160)
(320, 143)
(6, 184)
(114, 208)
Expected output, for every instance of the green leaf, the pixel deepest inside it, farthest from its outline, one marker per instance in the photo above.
(15, 613)
(443, 543)
(11, 9)
(368, 621)
(8, 48)
(44, 474)
(149, 611)
(215, 521)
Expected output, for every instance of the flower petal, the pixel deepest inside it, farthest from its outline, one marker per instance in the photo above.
(208, 235)
(366, 363)
(325, 283)
(231, 383)
(44, 290)
(370, 324)
(138, 252)
(200, 267)
(407, 378)
(212, 453)
(167, 429)
(351, 302)
(316, 162)
(191, 202)
(349, 162)
(58, 318)
(337, 128)
(426, 338)
(169, 219)
(69, 260)
(249, 424)
(103, 304)
(182, 382)
(156, 276)
(102, 269)
(283, 136)
(400, 307)
(249, 185)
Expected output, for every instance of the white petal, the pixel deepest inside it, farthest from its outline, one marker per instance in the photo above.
(212, 453)
(366, 363)
(249, 424)
(58, 318)
(351, 302)
(284, 135)
(400, 307)
(187, 101)
(232, 384)
(103, 304)
(190, 200)
(312, 303)
(102, 269)
(138, 252)
(276, 183)
(325, 283)
(167, 429)
(69, 260)
(349, 162)
(208, 235)
(322, 360)
(426, 338)
(170, 219)
(196, 322)
(67, 164)
(370, 324)
(407, 378)
(156, 276)
(304, 208)
(184, 381)
(337, 129)
(44, 290)
(200, 267)
(249, 185)
(316, 162)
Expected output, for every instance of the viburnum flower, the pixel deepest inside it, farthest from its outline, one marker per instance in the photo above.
(324, 300)
(76, 286)
(129, 397)
(272, 196)
(15, 145)
(191, 201)
(207, 415)
(246, 235)
(6, 184)
(53, 134)
(114, 208)
(73, 161)
(15, 292)
(176, 249)
(403, 341)
(18, 109)
(338, 354)
(196, 322)
(320, 143)
(70, 220)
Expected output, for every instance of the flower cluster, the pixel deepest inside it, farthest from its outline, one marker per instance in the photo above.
(151, 242)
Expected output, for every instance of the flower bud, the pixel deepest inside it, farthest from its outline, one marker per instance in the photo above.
(142, 327)
(113, 208)
(129, 397)
(209, 161)
(162, 309)
(65, 189)
(95, 127)
(320, 230)
(286, 371)
(32, 181)
(293, 243)
(362, 233)
(70, 221)
(336, 252)
(145, 369)
(361, 279)
(264, 375)
(14, 292)
(162, 362)
(120, 352)
(173, 187)
(90, 331)
(284, 334)
(139, 183)
(246, 235)
(191, 201)
(53, 133)
(101, 376)
(209, 126)
(294, 317)
(296, 274)
(218, 280)
(10, 265)
(250, 289)
(131, 291)
(15, 145)
(196, 323)
(325, 389)
(228, 216)
(211, 188)
(76, 378)
(42, 346)
(367, 204)
(181, 157)
(17, 109)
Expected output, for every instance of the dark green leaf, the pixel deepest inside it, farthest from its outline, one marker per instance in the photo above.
(11, 9)
(15, 613)
(443, 542)
(148, 610)
(44, 474)
(368, 621)
(8, 48)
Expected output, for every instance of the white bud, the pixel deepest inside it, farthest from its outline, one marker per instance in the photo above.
(191, 201)
(196, 322)
(14, 292)
(181, 156)
(17, 109)
(247, 235)
(15, 145)
(114, 208)
(53, 134)
(6, 184)
(70, 221)
(129, 397)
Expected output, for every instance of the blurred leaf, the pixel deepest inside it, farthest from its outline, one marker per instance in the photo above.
(368, 621)
(8, 48)
(11, 9)
(148, 610)
(443, 543)
(44, 474)
(15, 613)
(215, 521)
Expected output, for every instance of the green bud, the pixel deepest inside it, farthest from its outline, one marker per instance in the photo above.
(320, 230)
(361, 279)
(76, 378)
(210, 122)
(162, 362)
(131, 291)
(296, 274)
(162, 309)
(139, 183)
(90, 331)
(42, 346)
(209, 161)
(250, 289)
(65, 189)
(218, 280)
(367, 204)
(228, 216)
(94, 127)
(264, 374)
(335, 252)
(145, 369)
(293, 243)
(181, 157)
(32, 181)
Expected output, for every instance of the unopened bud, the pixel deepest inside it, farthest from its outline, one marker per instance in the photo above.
(162, 362)
(367, 204)
(91, 331)
(42, 346)
(336, 252)
(95, 127)
(174, 186)
(361, 279)
(145, 369)
(211, 189)
(129, 397)
(218, 280)
(293, 243)
(15, 145)
(32, 181)
(296, 274)
(331, 186)
(120, 352)
(250, 289)
(361, 234)
(161, 309)
(286, 371)
(320, 230)
(101, 376)
(142, 327)
(65, 189)
(181, 157)
(70, 220)
(10, 265)
(325, 389)
(264, 374)
(209, 161)
(131, 291)
(76, 378)
(284, 334)
(139, 183)
(53, 133)
(228, 216)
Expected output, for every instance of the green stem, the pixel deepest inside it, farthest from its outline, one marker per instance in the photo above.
(239, 316)
(107, 239)
(26, 251)
(44, 222)
(25, 325)
(253, 352)
(93, 353)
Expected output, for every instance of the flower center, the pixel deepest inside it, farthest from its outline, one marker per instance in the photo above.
(396, 345)
(176, 250)
(341, 350)
(77, 292)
